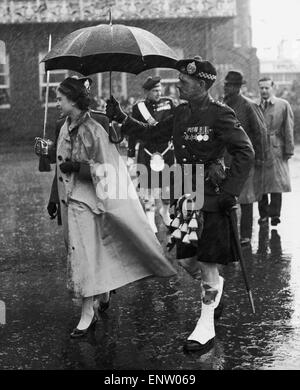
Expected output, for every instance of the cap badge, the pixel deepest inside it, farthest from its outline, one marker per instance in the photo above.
(191, 68)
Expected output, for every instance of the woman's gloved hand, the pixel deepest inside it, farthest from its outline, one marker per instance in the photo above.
(114, 110)
(52, 209)
(69, 166)
(226, 201)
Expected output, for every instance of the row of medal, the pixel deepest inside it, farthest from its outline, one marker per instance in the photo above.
(203, 136)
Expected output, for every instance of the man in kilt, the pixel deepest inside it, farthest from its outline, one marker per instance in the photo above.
(202, 129)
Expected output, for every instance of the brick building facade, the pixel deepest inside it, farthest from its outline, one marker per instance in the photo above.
(219, 30)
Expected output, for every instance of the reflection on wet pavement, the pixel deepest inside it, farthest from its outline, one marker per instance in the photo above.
(148, 321)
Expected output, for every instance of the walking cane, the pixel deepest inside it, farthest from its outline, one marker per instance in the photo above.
(232, 217)
(43, 143)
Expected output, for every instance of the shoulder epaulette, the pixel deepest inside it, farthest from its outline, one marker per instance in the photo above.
(167, 98)
(97, 112)
(218, 103)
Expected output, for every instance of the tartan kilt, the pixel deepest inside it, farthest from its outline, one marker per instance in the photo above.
(216, 243)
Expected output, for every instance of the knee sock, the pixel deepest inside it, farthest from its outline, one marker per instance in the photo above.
(205, 327)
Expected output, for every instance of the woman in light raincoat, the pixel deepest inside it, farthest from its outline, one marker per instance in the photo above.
(109, 240)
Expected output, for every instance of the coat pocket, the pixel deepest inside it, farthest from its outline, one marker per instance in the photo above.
(276, 145)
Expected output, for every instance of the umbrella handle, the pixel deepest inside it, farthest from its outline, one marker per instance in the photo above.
(111, 129)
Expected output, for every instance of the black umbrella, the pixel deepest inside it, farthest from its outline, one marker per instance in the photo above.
(109, 47)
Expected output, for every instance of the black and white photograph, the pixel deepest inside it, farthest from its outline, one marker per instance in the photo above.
(149, 188)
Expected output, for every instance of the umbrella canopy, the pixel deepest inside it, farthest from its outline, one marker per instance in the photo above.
(108, 47)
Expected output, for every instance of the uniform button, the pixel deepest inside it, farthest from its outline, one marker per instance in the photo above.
(60, 158)
(63, 201)
(183, 146)
(184, 159)
(60, 178)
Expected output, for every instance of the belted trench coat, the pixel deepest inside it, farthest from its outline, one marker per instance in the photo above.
(279, 120)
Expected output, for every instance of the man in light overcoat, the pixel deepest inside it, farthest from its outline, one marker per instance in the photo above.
(279, 119)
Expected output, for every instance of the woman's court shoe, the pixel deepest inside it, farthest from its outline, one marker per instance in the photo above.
(103, 306)
(195, 346)
(77, 333)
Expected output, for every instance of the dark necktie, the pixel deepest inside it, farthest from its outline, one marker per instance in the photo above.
(266, 103)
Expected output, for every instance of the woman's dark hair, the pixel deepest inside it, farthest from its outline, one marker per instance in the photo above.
(75, 91)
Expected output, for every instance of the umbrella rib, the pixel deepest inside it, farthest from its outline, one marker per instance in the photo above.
(131, 32)
(74, 40)
(84, 45)
(149, 42)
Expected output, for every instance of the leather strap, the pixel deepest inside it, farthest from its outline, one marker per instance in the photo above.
(146, 114)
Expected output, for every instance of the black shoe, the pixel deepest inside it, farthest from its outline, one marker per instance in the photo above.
(263, 221)
(195, 346)
(218, 310)
(77, 333)
(103, 306)
(275, 221)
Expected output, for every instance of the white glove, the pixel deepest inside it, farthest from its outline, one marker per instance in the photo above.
(131, 166)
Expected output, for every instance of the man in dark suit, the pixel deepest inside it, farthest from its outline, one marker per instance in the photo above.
(252, 121)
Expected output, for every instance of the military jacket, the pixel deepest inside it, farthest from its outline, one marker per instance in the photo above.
(159, 111)
(201, 132)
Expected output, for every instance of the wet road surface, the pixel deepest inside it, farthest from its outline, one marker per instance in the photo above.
(148, 321)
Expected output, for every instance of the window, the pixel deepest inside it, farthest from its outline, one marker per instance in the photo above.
(56, 77)
(4, 77)
(169, 77)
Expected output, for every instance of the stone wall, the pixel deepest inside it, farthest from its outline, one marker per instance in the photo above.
(47, 11)
(212, 38)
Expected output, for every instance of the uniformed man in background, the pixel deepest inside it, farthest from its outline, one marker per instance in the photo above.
(201, 129)
(154, 108)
